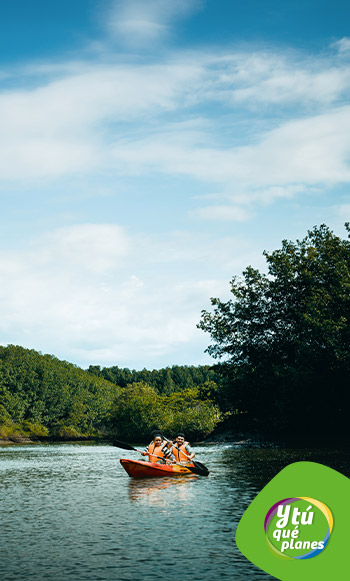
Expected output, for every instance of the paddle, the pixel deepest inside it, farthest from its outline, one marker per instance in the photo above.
(197, 468)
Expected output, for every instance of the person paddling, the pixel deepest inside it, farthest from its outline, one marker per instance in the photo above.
(158, 451)
(182, 449)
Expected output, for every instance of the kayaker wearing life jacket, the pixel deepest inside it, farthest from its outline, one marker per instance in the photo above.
(158, 450)
(181, 449)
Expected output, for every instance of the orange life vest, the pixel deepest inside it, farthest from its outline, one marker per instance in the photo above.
(153, 451)
(180, 452)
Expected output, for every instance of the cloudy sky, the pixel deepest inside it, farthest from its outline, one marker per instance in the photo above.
(152, 149)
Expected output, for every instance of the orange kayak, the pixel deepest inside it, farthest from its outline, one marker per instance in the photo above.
(141, 469)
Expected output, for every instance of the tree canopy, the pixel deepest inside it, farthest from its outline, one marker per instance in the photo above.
(165, 381)
(283, 341)
(139, 409)
(41, 396)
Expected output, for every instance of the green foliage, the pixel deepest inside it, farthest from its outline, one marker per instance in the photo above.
(284, 339)
(188, 412)
(41, 397)
(40, 394)
(134, 412)
(165, 381)
(35, 430)
(139, 408)
(9, 430)
(68, 433)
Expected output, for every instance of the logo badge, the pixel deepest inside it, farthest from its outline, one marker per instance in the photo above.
(298, 528)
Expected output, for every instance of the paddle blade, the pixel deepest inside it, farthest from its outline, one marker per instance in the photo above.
(199, 469)
(200, 466)
(122, 445)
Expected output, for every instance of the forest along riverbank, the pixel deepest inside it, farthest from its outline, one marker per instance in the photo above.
(45, 399)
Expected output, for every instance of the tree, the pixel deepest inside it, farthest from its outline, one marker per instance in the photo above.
(134, 411)
(138, 408)
(283, 342)
(41, 392)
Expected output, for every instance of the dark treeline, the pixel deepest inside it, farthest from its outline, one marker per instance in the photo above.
(283, 341)
(165, 381)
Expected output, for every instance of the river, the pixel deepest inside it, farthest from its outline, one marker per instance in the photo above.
(70, 512)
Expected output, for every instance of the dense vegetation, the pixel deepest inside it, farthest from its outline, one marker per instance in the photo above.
(139, 408)
(283, 341)
(165, 381)
(42, 397)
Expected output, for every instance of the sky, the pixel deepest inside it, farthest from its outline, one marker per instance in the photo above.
(150, 150)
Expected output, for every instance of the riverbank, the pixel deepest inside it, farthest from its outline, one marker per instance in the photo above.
(51, 440)
(17, 441)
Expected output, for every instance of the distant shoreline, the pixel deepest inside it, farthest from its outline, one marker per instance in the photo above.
(225, 438)
(22, 441)
(19, 441)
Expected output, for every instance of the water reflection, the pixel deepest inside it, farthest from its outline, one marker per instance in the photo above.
(71, 512)
(150, 490)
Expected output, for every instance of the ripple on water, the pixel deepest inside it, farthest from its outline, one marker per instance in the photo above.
(70, 512)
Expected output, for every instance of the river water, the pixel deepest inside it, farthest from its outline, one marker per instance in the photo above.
(70, 512)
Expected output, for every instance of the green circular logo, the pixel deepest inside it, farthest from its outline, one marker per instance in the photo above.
(298, 528)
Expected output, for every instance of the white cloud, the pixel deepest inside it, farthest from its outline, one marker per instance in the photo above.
(342, 45)
(91, 293)
(63, 126)
(343, 211)
(305, 151)
(264, 195)
(133, 120)
(115, 117)
(309, 151)
(138, 23)
(273, 78)
(243, 204)
(337, 216)
(90, 248)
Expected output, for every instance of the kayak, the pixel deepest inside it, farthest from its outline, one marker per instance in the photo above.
(142, 469)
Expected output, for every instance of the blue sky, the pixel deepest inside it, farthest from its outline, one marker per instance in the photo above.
(150, 150)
